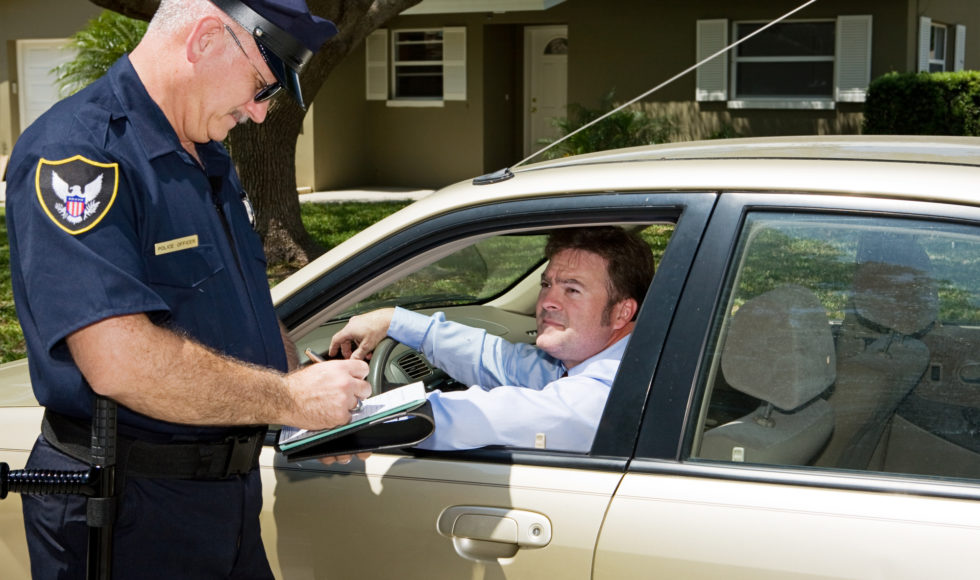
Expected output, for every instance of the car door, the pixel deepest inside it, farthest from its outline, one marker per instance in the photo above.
(492, 512)
(825, 349)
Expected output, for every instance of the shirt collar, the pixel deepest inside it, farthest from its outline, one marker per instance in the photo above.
(154, 131)
(614, 350)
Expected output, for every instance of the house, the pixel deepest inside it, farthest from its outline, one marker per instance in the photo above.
(506, 70)
(451, 89)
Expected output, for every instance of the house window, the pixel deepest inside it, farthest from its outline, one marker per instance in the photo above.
(804, 64)
(942, 47)
(937, 48)
(423, 67)
(788, 61)
(417, 58)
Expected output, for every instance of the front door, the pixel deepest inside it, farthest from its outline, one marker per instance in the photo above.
(545, 82)
(36, 60)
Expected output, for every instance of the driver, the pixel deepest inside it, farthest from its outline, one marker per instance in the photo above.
(550, 395)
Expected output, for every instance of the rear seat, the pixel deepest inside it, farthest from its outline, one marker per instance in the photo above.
(881, 356)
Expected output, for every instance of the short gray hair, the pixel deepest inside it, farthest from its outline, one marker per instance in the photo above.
(172, 16)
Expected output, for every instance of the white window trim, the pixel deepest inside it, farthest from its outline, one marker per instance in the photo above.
(415, 103)
(376, 65)
(712, 76)
(852, 66)
(380, 70)
(925, 30)
(852, 63)
(944, 61)
(776, 102)
(959, 48)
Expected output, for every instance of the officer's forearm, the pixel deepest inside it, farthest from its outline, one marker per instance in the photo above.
(161, 374)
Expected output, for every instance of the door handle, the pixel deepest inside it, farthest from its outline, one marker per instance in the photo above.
(485, 534)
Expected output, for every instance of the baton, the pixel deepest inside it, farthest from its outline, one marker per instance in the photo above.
(98, 484)
(101, 507)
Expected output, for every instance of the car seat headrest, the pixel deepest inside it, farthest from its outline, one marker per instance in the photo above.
(780, 348)
(893, 284)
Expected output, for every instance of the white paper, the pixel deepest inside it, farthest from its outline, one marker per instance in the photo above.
(369, 407)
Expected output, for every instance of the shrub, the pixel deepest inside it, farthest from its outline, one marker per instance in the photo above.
(945, 103)
(98, 46)
(625, 128)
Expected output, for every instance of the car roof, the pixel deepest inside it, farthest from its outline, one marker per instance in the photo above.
(925, 168)
(916, 149)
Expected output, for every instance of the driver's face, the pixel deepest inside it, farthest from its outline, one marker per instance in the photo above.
(572, 307)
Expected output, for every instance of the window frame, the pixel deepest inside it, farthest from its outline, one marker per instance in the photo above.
(934, 28)
(782, 101)
(666, 436)
(382, 64)
(851, 68)
(400, 68)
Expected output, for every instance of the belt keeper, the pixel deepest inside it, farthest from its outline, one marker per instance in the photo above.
(243, 453)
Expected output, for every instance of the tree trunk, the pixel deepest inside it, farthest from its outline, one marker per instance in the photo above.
(265, 156)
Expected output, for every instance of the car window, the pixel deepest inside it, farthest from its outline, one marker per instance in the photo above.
(847, 342)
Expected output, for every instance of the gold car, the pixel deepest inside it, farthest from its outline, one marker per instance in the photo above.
(800, 398)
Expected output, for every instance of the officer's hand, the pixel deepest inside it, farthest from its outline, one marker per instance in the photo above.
(323, 394)
(362, 333)
(343, 459)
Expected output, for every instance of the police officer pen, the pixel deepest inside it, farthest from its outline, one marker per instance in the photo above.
(317, 358)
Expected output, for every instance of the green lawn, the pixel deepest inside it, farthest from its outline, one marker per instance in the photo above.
(329, 224)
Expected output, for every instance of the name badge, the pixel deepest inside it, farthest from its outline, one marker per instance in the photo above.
(177, 245)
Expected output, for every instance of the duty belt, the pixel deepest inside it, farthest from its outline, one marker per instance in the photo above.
(234, 455)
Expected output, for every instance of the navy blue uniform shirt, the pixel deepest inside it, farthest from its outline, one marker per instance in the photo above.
(108, 215)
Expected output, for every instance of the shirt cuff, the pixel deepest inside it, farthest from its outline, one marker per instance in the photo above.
(409, 328)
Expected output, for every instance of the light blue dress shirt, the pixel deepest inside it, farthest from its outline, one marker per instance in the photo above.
(519, 396)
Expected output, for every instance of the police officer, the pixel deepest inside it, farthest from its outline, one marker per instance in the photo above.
(137, 276)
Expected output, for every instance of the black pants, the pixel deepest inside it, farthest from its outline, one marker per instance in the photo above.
(166, 528)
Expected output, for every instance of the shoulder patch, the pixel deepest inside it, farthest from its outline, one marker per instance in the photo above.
(76, 193)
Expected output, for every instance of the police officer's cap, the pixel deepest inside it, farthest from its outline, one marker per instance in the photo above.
(286, 32)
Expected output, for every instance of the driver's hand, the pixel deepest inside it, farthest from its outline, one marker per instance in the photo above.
(343, 459)
(362, 333)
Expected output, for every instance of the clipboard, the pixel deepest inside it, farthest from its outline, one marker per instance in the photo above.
(397, 418)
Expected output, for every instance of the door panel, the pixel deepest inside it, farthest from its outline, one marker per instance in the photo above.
(694, 528)
(399, 499)
(806, 272)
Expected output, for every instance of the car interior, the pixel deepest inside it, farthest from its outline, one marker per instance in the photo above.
(881, 375)
(489, 282)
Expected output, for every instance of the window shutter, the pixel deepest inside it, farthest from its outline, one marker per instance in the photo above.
(376, 63)
(959, 55)
(925, 31)
(712, 76)
(454, 63)
(853, 70)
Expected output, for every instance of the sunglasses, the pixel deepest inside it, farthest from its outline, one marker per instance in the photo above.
(270, 89)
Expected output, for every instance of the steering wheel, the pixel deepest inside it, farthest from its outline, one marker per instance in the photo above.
(378, 364)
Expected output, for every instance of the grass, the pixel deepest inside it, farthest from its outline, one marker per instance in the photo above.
(329, 224)
(11, 339)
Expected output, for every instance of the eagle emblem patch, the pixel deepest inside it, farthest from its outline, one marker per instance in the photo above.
(76, 193)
